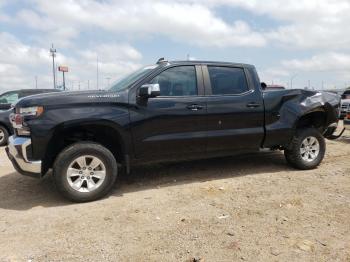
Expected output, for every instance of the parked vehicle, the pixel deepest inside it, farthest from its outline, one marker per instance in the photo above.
(5, 127)
(345, 104)
(347, 120)
(165, 112)
(6, 100)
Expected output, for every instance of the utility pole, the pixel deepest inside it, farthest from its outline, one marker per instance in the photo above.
(64, 81)
(53, 54)
(63, 69)
(97, 71)
(88, 84)
(308, 84)
(36, 82)
(291, 80)
(108, 79)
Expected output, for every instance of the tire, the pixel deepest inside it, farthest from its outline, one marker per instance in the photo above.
(79, 180)
(4, 136)
(295, 155)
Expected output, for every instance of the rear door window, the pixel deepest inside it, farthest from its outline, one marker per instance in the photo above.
(227, 80)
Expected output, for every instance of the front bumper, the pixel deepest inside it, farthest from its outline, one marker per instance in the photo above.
(17, 153)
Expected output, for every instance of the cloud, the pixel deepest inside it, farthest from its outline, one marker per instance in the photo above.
(81, 29)
(326, 62)
(20, 63)
(306, 24)
(331, 66)
(192, 23)
(112, 52)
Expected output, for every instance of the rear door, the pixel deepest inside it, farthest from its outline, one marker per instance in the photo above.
(235, 109)
(174, 123)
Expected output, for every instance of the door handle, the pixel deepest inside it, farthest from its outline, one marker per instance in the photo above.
(253, 105)
(194, 107)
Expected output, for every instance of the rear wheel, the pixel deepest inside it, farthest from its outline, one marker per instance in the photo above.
(85, 171)
(4, 136)
(306, 150)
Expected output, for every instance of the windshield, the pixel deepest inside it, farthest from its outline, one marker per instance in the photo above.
(9, 98)
(125, 82)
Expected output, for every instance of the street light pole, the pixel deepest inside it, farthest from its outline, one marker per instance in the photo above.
(291, 80)
(97, 72)
(53, 54)
(108, 80)
(64, 82)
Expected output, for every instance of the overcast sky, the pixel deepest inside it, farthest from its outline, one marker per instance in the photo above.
(305, 39)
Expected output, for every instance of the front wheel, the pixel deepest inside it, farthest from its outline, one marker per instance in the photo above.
(85, 172)
(306, 150)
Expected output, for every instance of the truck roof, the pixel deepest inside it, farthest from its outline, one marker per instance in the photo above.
(191, 62)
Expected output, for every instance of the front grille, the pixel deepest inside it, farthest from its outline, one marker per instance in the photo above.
(344, 106)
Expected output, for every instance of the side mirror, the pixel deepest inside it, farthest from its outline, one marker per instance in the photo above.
(263, 85)
(149, 90)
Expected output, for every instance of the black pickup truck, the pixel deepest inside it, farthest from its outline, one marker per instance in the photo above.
(168, 111)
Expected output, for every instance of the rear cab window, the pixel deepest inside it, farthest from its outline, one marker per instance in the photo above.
(227, 80)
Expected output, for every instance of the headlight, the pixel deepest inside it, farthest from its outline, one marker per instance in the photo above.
(18, 119)
(31, 111)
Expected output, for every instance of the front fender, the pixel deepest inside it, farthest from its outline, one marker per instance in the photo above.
(53, 121)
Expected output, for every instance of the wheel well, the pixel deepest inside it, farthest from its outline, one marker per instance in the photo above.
(104, 135)
(313, 119)
(4, 126)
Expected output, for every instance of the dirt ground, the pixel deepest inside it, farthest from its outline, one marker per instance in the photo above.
(247, 208)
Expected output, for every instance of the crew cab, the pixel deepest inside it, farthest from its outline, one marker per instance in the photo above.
(164, 112)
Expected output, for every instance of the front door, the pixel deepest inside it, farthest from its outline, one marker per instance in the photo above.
(174, 123)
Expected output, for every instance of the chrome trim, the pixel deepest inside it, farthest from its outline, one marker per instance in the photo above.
(17, 148)
(333, 125)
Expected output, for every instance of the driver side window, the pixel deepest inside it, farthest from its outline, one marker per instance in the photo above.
(177, 81)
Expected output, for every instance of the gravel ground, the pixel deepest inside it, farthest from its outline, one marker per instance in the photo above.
(247, 208)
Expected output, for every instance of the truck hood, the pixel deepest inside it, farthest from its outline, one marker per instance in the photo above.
(71, 98)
